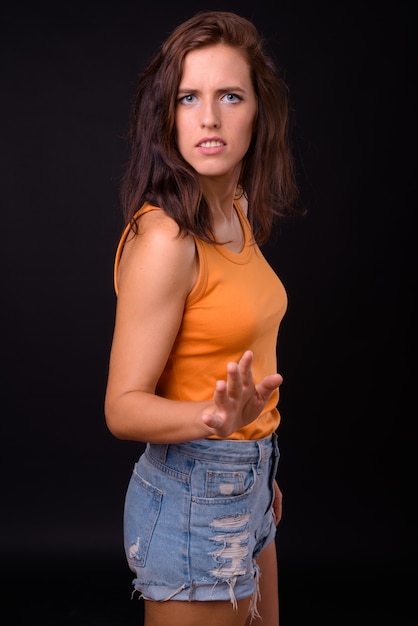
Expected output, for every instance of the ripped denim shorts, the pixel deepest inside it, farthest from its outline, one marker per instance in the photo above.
(196, 517)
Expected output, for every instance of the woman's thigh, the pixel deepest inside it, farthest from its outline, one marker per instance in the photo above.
(183, 613)
(268, 602)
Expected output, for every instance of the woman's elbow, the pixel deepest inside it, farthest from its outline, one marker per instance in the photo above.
(113, 421)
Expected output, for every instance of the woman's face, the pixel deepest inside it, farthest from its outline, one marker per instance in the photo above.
(215, 112)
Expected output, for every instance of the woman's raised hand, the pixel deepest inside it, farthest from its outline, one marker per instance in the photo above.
(238, 400)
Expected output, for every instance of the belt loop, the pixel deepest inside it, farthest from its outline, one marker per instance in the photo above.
(163, 451)
(159, 450)
(275, 442)
(260, 457)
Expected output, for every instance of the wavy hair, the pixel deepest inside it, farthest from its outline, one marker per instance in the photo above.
(156, 171)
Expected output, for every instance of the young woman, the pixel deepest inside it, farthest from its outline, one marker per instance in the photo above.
(193, 360)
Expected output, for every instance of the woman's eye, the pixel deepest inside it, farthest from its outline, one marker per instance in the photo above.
(187, 99)
(232, 97)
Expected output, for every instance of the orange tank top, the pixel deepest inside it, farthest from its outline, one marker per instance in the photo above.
(237, 304)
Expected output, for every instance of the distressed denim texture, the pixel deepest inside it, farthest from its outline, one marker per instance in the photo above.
(197, 515)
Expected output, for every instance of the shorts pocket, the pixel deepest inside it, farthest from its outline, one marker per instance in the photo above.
(142, 507)
(224, 484)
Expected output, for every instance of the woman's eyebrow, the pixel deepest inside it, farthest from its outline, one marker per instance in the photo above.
(185, 90)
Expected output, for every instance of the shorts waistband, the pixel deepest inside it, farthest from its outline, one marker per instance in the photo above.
(233, 450)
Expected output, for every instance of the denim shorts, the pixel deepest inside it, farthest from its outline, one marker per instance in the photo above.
(196, 517)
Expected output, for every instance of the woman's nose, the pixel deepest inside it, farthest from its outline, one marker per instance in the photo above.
(210, 117)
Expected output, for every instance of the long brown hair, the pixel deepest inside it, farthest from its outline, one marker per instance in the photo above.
(157, 173)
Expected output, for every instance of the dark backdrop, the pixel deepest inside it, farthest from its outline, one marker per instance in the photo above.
(348, 535)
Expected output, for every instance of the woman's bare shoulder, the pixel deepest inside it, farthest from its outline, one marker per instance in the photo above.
(159, 245)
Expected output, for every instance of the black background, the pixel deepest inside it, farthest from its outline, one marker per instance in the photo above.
(347, 541)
